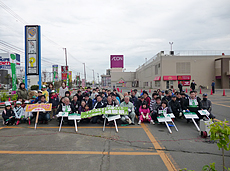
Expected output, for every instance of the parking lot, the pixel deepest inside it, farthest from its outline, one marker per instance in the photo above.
(134, 147)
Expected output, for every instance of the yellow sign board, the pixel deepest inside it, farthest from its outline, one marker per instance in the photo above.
(39, 107)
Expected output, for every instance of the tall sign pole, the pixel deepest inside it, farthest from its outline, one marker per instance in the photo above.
(67, 68)
(33, 54)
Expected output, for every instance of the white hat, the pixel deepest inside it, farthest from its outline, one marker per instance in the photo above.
(18, 102)
(53, 91)
(43, 86)
(27, 102)
(7, 104)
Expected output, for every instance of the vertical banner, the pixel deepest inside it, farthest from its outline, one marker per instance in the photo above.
(55, 73)
(70, 76)
(83, 83)
(64, 74)
(13, 69)
(78, 80)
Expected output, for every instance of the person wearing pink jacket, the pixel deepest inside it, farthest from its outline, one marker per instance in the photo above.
(144, 114)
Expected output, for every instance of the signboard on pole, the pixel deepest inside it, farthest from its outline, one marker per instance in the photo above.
(55, 72)
(39, 107)
(32, 50)
(116, 61)
(64, 71)
(83, 83)
(70, 76)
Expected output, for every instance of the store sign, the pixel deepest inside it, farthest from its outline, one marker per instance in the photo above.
(32, 50)
(158, 78)
(116, 61)
(166, 78)
(184, 83)
(184, 77)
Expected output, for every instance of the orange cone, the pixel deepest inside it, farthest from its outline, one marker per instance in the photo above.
(131, 90)
(200, 91)
(149, 91)
(9, 99)
(186, 90)
(211, 92)
(224, 93)
(121, 90)
(141, 90)
(190, 89)
(173, 90)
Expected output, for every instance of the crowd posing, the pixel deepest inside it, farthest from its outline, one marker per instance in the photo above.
(141, 105)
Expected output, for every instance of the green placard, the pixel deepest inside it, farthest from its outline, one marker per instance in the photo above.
(107, 111)
(189, 113)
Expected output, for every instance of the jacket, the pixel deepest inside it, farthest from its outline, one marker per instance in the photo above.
(192, 109)
(154, 108)
(62, 91)
(144, 111)
(98, 105)
(89, 103)
(76, 105)
(54, 100)
(23, 93)
(7, 113)
(63, 108)
(175, 106)
(129, 105)
(19, 112)
(206, 104)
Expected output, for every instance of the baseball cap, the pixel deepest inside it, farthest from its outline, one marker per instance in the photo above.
(43, 86)
(18, 102)
(27, 102)
(39, 91)
(205, 94)
(173, 95)
(7, 104)
(53, 91)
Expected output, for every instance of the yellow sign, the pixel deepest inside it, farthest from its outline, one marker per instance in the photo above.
(39, 107)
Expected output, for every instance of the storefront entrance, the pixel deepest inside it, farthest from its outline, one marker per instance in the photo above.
(169, 84)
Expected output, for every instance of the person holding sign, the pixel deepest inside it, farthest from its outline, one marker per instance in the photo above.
(207, 104)
(144, 111)
(75, 103)
(97, 105)
(66, 107)
(128, 118)
(193, 104)
(8, 114)
(43, 116)
(163, 108)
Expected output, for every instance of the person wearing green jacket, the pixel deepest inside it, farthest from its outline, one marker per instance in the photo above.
(129, 118)
(22, 92)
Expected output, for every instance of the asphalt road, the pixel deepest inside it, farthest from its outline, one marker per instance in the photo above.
(137, 147)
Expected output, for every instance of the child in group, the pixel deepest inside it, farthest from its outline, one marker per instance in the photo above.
(8, 114)
(28, 115)
(55, 101)
(144, 114)
(32, 101)
(39, 96)
(19, 112)
(163, 108)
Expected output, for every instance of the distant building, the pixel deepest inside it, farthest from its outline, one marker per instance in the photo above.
(166, 71)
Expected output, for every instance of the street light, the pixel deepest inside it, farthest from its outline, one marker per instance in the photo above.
(171, 43)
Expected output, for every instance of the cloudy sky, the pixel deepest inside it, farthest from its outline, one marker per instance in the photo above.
(93, 30)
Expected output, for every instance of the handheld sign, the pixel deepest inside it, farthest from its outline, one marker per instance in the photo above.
(74, 116)
(192, 115)
(42, 107)
(166, 119)
(204, 113)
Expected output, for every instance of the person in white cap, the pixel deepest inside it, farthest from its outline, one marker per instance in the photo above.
(19, 111)
(28, 115)
(8, 114)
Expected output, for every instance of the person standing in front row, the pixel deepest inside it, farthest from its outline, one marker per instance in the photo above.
(193, 85)
(213, 86)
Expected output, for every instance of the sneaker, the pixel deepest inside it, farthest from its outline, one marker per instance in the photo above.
(129, 121)
(17, 122)
(152, 122)
(132, 123)
(139, 122)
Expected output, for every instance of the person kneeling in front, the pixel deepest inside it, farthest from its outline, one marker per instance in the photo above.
(128, 118)
(43, 116)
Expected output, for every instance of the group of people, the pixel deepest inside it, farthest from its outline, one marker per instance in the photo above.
(141, 105)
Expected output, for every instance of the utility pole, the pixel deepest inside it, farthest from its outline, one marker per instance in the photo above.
(98, 79)
(65, 56)
(84, 72)
(93, 77)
